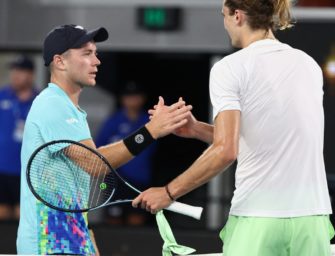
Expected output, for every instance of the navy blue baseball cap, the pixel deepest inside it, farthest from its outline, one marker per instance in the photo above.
(65, 37)
(131, 88)
(22, 62)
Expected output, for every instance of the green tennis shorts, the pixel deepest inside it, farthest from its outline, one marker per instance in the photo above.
(300, 236)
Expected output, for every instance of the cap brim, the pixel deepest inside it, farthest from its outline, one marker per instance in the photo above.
(96, 35)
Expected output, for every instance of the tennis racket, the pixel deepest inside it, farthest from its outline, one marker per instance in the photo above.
(69, 176)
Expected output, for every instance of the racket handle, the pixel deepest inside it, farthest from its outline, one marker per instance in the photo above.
(186, 209)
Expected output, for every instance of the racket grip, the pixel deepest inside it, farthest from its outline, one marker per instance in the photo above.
(186, 209)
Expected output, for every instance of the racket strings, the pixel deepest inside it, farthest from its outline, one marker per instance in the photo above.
(75, 152)
(101, 190)
(71, 177)
(97, 182)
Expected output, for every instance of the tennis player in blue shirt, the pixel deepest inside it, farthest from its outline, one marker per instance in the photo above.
(71, 53)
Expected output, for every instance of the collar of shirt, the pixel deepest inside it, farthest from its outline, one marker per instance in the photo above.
(58, 90)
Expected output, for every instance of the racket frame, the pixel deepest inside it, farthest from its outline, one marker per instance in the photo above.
(88, 148)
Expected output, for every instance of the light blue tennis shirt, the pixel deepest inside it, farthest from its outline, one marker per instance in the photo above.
(43, 230)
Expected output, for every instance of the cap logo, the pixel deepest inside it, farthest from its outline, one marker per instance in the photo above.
(79, 27)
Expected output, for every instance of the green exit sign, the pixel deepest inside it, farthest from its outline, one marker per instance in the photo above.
(158, 18)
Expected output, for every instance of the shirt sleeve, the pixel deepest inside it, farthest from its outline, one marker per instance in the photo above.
(224, 88)
(62, 122)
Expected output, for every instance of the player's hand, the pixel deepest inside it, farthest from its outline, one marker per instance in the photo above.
(152, 200)
(167, 119)
(186, 130)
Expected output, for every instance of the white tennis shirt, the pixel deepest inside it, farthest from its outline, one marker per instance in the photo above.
(278, 89)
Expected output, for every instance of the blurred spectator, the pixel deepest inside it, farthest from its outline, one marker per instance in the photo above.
(15, 101)
(138, 171)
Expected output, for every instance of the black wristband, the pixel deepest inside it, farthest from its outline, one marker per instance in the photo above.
(138, 141)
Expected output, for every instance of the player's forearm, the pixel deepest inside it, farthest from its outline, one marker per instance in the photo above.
(116, 153)
(204, 132)
(121, 152)
(213, 161)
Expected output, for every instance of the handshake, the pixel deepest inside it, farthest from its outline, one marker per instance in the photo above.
(175, 119)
